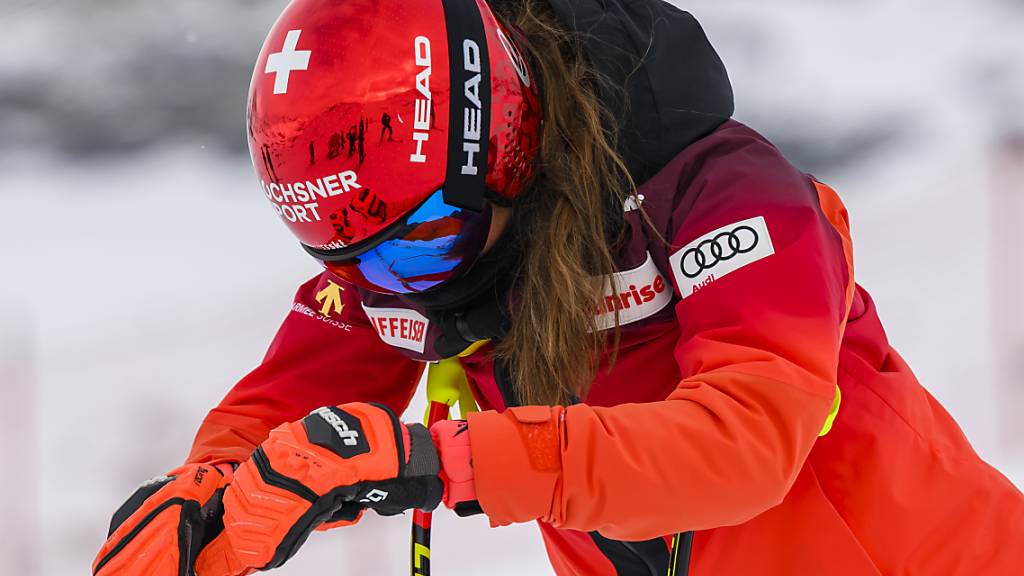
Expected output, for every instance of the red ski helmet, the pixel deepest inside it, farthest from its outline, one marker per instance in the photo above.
(379, 127)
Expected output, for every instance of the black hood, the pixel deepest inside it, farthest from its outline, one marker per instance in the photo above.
(676, 87)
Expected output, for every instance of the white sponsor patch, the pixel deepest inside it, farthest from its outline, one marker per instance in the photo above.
(717, 253)
(638, 293)
(399, 327)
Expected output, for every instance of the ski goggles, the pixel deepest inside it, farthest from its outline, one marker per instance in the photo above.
(432, 244)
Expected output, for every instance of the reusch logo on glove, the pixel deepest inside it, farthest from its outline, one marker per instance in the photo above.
(348, 436)
(200, 474)
(336, 430)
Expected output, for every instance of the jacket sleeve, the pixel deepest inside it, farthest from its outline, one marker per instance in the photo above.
(325, 353)
(760, 331)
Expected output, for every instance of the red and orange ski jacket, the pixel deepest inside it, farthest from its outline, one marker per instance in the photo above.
(736, 341)
(743, 340)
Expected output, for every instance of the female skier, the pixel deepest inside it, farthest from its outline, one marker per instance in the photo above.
(656, 312)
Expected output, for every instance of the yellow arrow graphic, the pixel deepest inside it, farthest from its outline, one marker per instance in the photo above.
(330, 297)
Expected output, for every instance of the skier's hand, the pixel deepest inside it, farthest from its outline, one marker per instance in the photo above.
(161, 528)
(323, 468)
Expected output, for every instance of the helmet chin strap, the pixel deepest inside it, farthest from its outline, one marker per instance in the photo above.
(469, 111)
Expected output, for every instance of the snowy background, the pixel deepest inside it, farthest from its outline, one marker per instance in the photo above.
(127, 307)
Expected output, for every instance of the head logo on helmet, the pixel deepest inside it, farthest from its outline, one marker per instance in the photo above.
(424, 102)
(406, 117)
(472, 117)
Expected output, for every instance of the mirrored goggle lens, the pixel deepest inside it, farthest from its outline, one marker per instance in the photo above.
(428, 250)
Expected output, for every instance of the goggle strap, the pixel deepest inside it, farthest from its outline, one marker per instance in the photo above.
(469, 118)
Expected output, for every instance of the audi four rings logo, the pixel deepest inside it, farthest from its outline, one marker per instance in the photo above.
(707, 259)
(719, 248)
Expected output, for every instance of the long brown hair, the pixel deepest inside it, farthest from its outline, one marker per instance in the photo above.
(568, 222)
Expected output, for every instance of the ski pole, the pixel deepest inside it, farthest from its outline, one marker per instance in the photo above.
(421, 520)
(446, 386)
(446, 382)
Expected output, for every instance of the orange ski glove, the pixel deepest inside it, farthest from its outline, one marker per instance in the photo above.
(162, 527)
(323, 468)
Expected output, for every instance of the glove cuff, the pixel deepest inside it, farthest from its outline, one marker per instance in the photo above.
(423, 459)
(452, 440)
